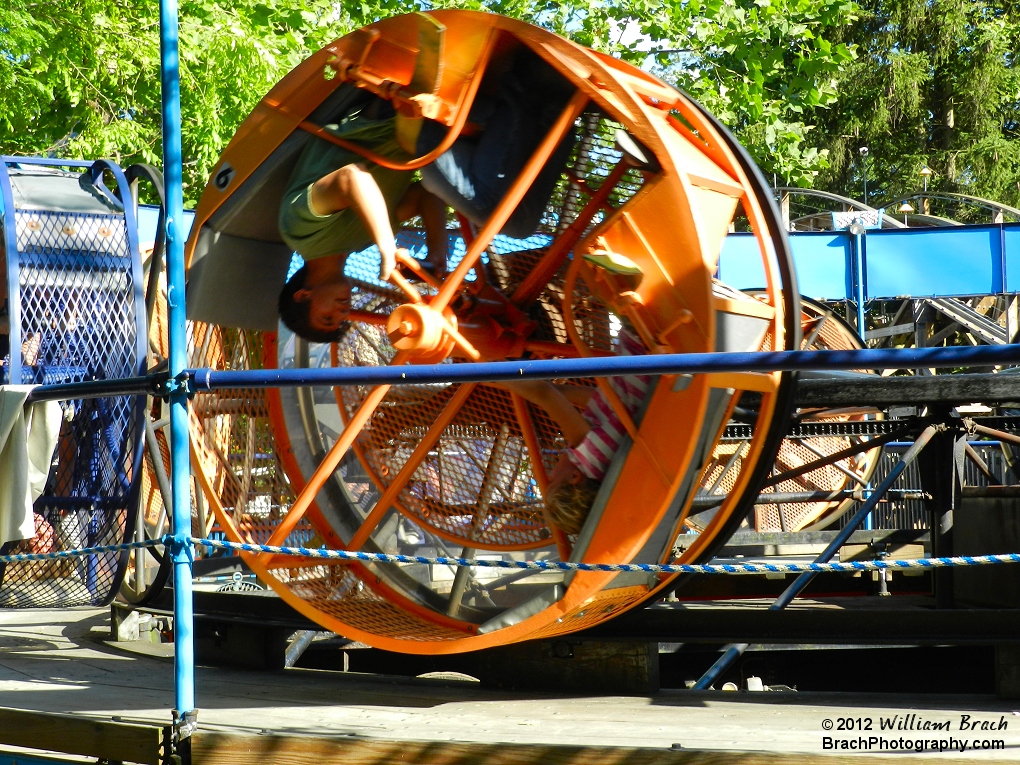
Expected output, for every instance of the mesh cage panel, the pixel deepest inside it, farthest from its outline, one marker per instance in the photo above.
(340, 593)
(78, 301)
(594, 611)
(232, 435)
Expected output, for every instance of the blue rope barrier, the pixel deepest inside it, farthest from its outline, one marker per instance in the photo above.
(80, 553)
(675, 568)
(543, 565)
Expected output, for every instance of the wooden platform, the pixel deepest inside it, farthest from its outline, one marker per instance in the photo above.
(56, 662)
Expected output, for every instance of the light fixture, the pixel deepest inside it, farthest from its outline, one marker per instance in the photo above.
(925, 173)
(906, 209)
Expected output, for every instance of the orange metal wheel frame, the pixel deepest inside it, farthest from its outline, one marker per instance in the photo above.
(462, 469)
(821, 329)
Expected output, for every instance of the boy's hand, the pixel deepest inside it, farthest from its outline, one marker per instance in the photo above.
(387, 262)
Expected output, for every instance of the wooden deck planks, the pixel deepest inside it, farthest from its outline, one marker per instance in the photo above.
(73, 734)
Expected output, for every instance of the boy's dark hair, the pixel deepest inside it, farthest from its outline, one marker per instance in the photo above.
(295, 314)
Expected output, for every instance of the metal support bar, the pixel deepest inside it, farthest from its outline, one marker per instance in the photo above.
(859, 286)
(942, 469)
(734, 651)
(795, 497)
(460, 585)
(202, 380)
(181, 550)
(836, 456)
(147, 385)
(298, 646)
(888, 390)
(972, 426)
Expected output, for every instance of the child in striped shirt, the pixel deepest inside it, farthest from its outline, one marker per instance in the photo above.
(593, 436)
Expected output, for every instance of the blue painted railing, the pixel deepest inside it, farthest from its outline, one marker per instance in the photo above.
(920, 262)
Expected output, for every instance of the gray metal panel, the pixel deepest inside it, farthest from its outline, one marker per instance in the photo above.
(240, 263)
(240, 284)
(525, 610)
(53, 190)
(736, 332)
(253, 210)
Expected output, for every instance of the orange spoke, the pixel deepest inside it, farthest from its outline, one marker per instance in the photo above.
(841, 468)
(406, 287)
(803, 480)
(331, 460)
(527, 427)
(462, 342)
(389, 496)
(510, 200)
(558, 251)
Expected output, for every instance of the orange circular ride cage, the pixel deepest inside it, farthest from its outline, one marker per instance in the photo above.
(652, 180)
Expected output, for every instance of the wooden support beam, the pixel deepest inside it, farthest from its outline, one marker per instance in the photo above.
(897, 329)
(885, 391)
(1012, 318)
(223, 749)
(83, 736)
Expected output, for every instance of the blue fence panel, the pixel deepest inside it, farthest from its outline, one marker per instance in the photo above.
(920, 262)
(824, 263)
(823, 260)
(1011, 256)
(740, 263)
(932, 262)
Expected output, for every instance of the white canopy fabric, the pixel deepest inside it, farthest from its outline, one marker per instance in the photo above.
(28, 436)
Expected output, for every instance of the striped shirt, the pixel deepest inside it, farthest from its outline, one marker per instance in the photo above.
(594, 454)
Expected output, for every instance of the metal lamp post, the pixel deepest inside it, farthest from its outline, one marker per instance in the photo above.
(863, 151)
(925, 174)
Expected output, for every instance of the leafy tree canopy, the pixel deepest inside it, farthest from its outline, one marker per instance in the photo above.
(936, 83)
(80, 78)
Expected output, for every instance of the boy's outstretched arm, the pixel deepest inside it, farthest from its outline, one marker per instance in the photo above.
(353, 186)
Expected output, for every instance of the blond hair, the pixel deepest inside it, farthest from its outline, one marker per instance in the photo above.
(568, 506)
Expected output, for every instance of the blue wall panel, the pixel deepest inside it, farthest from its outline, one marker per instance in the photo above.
(824, 265)
(920, 262)
(1011, 244)
(823, 261)
(740, 263)
(928, 262)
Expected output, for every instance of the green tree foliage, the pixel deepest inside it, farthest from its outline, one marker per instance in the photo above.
(936, 83)
(766, 68)
(80, 78)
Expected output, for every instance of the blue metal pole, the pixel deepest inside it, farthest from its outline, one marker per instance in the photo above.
(204, 379)
(859, 281)
(181, 551)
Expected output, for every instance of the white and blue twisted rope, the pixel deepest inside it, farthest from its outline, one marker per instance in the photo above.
(543, 565)
(675, 568)
(61, 554)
